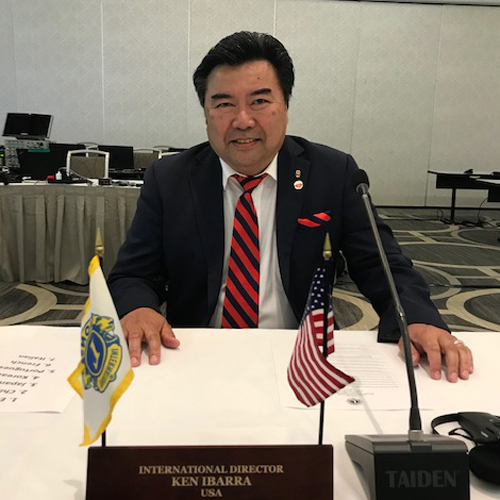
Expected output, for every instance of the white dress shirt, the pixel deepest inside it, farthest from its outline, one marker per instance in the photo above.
(274, 309)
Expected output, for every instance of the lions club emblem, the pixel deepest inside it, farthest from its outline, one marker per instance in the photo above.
(101, 352)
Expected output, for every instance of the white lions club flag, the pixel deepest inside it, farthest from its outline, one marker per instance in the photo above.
(104, 372)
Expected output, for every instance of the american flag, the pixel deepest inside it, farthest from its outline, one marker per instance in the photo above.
(311, 377)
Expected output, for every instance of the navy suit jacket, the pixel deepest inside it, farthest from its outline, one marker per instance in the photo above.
(175, 246)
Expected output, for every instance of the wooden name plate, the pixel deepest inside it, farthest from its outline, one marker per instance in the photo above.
(195, 472)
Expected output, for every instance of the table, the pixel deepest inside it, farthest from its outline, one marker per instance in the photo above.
(224, 388)
(493, 188)
(461, 180)
(48, 231)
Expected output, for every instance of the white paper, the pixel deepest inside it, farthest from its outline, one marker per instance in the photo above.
(35, 363)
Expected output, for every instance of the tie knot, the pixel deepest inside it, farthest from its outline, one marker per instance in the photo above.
(249, 183)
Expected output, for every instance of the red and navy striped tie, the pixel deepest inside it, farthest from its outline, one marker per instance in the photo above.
(241, 303)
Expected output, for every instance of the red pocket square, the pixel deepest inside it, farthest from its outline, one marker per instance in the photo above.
(315, 220)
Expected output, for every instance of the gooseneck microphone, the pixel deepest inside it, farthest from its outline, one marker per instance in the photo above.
(360, 181)
(414, 465)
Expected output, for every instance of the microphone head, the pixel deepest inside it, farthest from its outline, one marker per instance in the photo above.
(360, 181)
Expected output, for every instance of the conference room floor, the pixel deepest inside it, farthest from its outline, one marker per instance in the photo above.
(461, 264)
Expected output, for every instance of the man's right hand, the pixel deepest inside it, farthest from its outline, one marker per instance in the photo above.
(146, 325)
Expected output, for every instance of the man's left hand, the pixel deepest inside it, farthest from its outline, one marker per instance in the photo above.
(439, 345)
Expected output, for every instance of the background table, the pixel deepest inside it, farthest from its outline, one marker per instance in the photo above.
(48, 232)
(461, 180)
(493, 188)
(223, 388)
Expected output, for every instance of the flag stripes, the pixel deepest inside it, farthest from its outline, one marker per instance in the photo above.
(310, 375)
(317, 327)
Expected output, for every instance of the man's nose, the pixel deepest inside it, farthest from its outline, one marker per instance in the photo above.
(243, 119)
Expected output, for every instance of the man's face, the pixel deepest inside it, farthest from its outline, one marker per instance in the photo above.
(246, 115)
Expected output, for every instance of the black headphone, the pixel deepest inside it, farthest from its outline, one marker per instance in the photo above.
(484, 430)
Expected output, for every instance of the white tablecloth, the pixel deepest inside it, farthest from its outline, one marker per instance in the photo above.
(224, 388)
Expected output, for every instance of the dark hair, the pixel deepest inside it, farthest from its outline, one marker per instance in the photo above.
(243, 47)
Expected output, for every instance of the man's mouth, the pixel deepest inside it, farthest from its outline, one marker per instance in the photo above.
(244, 141)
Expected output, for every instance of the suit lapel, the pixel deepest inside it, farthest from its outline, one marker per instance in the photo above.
(206, 180)
(289, 202)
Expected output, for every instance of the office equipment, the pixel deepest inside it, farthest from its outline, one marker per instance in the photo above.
(128, 173)
(484, 430)
(480, 427)
(389, 462)
(120, 157)
(38, 164)
(12, 145)
(65, 147)
(27, 126)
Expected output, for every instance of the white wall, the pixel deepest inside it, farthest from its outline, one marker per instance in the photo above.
(404, 87)
(8, 97)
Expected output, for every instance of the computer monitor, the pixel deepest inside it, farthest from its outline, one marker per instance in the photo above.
(120, 157)
(38, 164)
(27, 126)
(65, 147)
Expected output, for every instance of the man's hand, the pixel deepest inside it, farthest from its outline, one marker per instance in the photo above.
(436, 343)
(146, 325)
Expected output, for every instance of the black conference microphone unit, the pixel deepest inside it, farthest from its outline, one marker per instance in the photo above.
(415, 466)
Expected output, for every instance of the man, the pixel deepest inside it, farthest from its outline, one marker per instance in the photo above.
(181, 248)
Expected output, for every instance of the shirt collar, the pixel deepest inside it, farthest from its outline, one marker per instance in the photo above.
(227, 171)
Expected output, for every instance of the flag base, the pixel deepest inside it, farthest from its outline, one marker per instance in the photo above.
(302, 472)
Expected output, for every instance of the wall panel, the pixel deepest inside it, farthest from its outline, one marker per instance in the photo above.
(8, 93)
(58, 65)
(466, 132)
(394, 98)
(322, 38)
(145, 53)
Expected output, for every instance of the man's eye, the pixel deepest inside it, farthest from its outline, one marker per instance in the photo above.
(223, 105)
(259, 102)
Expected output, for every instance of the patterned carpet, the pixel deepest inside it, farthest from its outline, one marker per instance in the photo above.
(461, 264)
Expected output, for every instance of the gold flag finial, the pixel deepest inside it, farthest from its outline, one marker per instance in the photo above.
(99, 246)
(327, 248)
